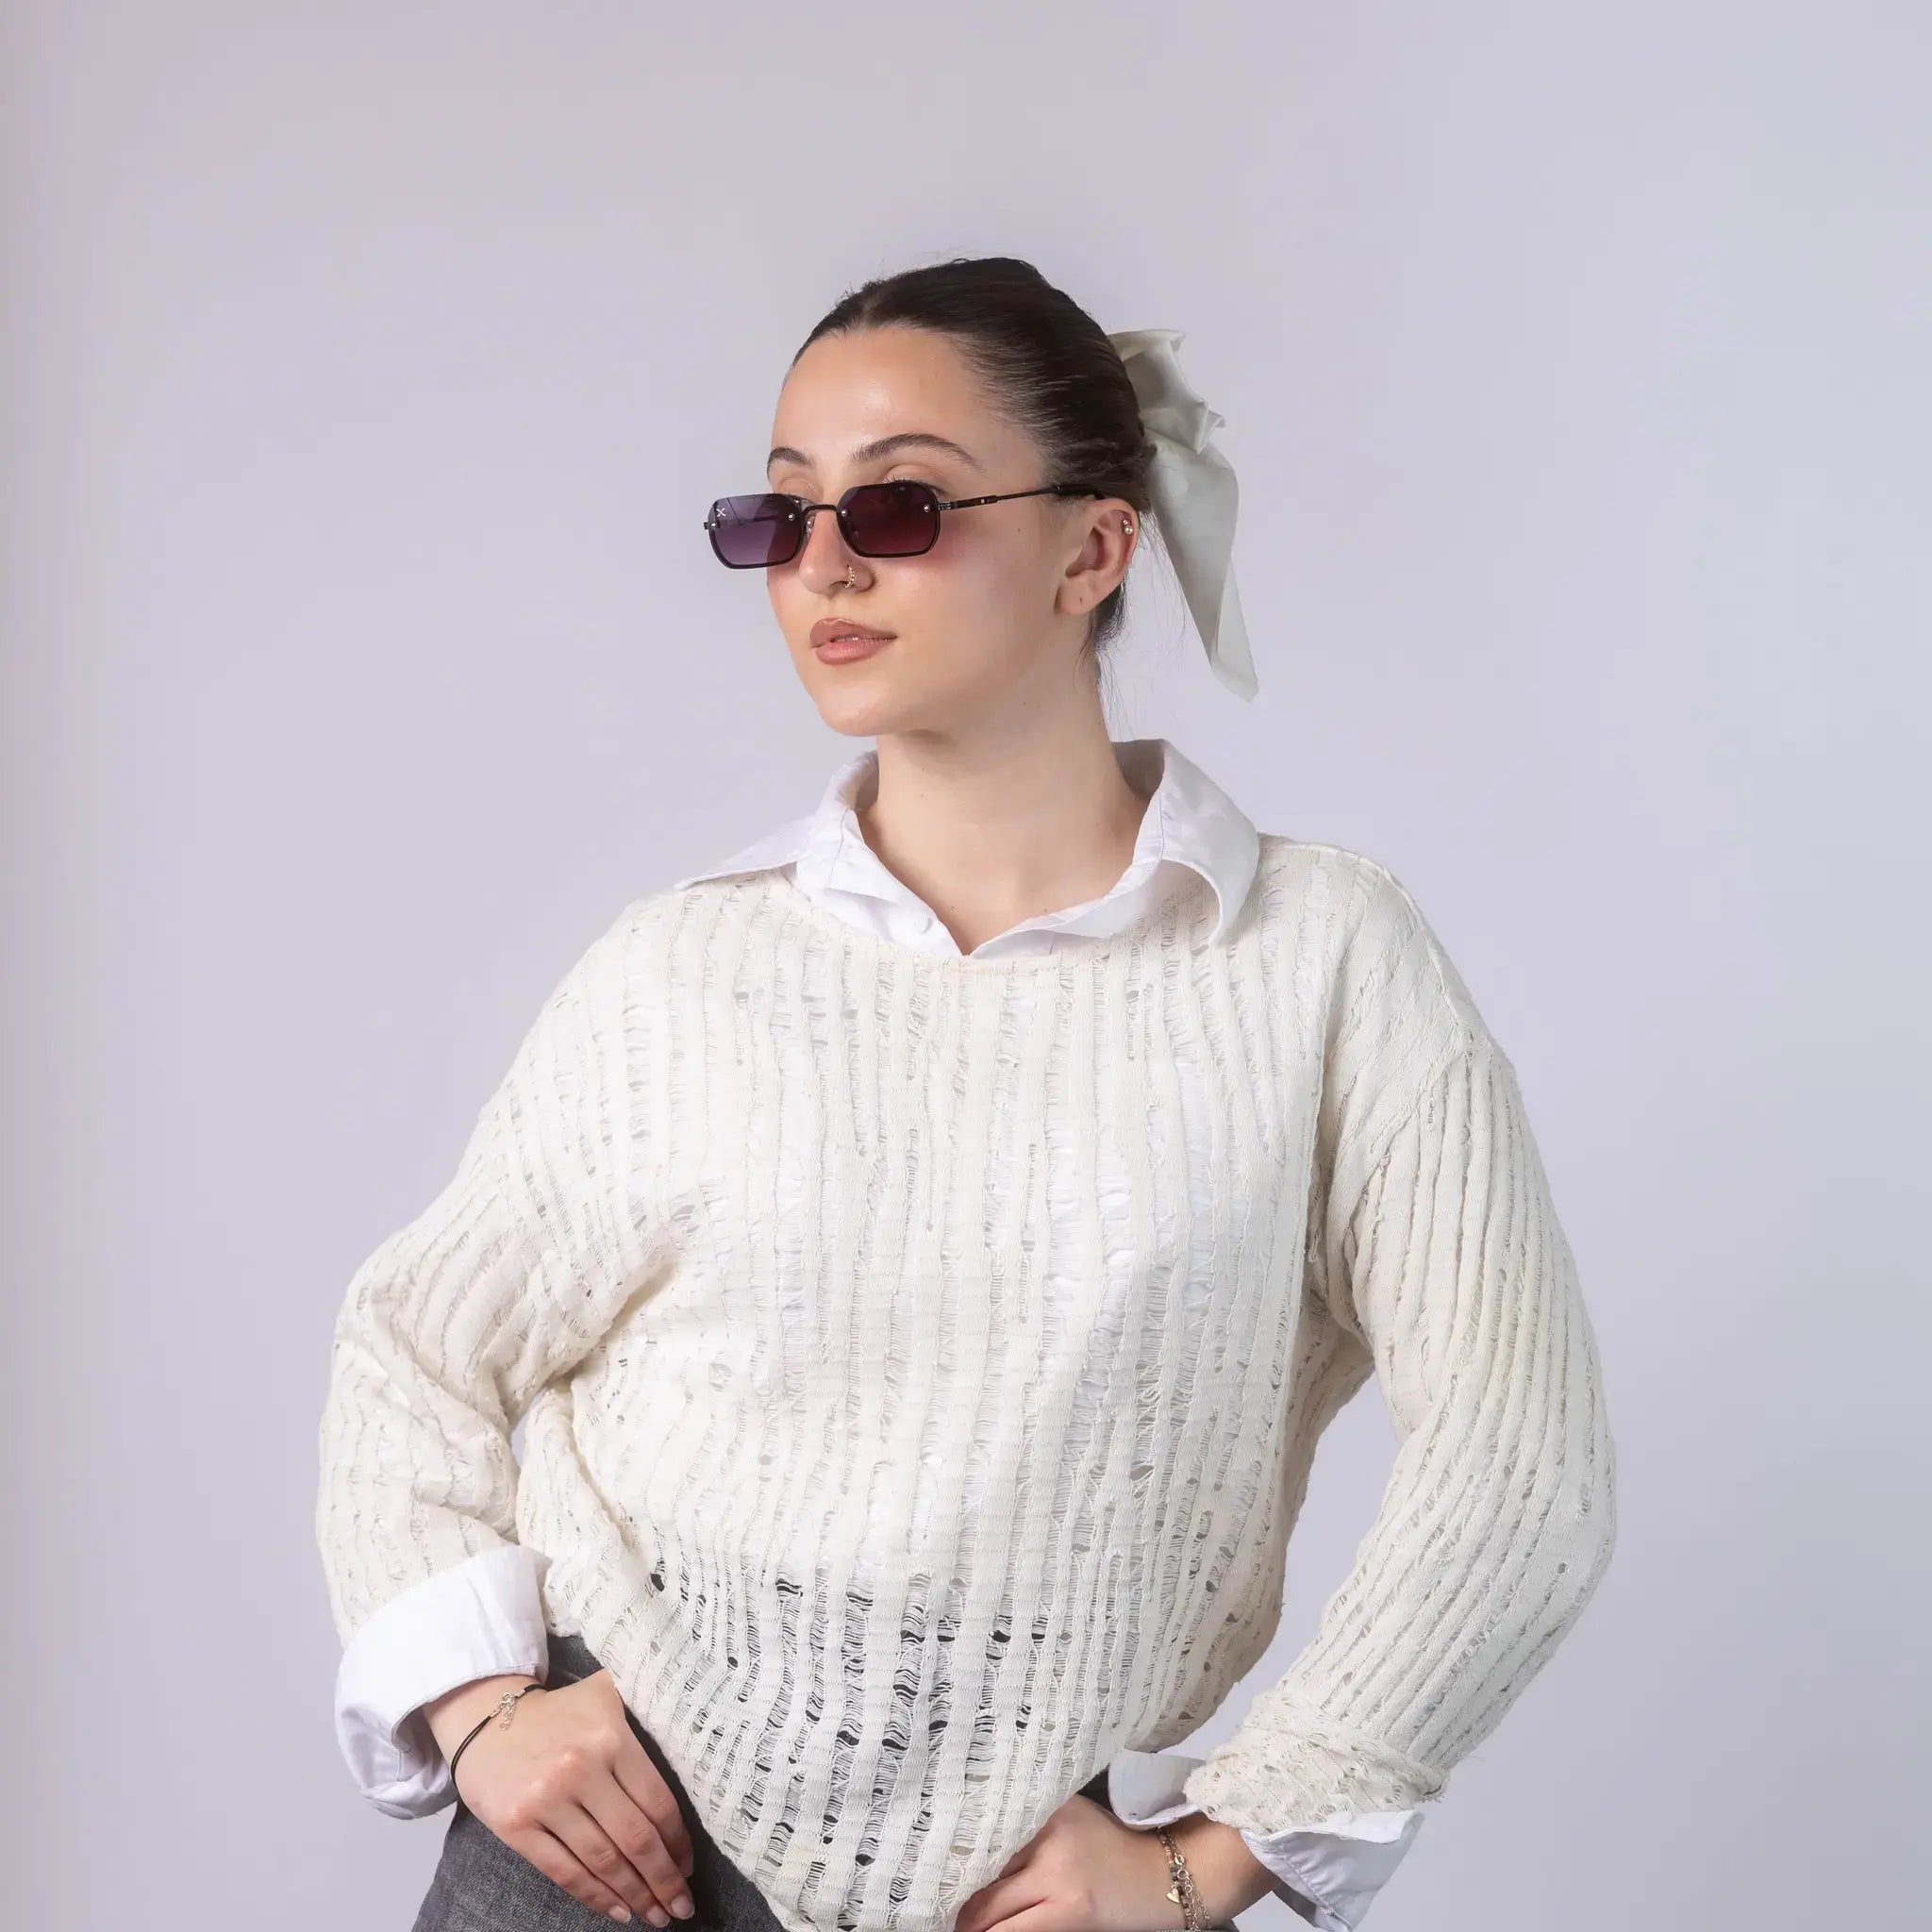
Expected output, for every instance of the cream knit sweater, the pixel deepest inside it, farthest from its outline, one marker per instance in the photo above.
(921, 1358)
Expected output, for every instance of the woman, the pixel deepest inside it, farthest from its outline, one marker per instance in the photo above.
(925, 1252)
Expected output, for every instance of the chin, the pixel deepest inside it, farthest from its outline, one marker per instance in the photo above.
(854, 715)
(867, 708)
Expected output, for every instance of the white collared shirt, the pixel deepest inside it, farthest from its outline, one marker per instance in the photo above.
(1189, 823)
(485, 1617)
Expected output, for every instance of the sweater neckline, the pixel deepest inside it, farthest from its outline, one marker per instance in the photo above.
(1143, 929)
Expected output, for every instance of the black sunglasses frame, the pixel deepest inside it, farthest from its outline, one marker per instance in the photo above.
(939, 505)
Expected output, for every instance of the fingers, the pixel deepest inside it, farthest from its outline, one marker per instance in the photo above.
(644, 1876)
(637, 1844)
(1048, 1915)
(641, 1781)
(1005, 1900)
(556, 1861)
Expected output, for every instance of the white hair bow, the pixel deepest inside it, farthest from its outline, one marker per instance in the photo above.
(1196, 497)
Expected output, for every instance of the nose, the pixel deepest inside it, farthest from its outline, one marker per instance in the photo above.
(826, 559)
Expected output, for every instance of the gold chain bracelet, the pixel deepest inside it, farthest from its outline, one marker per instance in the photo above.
(1182, 1892)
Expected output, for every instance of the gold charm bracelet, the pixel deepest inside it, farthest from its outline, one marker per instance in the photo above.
(1182, 1892)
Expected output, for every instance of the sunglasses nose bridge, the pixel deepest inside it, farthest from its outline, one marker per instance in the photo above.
(808, 522)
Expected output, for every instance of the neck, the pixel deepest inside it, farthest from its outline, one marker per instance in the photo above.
(988, 834)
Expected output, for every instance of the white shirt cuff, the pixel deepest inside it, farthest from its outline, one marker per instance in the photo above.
(480, 1619)
(1328, 1873)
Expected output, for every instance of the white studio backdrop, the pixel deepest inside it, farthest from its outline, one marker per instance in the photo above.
(365, 373)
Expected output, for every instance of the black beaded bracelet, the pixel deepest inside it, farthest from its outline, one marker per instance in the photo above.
(505, 1705)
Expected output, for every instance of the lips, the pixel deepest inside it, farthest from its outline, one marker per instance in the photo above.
(828, 628)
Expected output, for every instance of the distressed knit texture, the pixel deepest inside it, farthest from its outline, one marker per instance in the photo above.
(922, 1359)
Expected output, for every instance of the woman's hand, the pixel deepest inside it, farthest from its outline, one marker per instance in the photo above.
(569, 1787)
(1084, 1870)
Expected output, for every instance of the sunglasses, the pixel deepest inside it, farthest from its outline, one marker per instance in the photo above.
(874, 519)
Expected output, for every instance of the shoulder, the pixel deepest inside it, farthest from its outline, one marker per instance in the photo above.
(654, 919)
(596, 974)
(605, 995)
(667, 939)
(1358, 923)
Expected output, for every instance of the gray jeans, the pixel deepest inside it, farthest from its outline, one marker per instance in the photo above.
(481, 1884)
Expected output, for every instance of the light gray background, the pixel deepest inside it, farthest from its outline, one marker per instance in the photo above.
(367, 369)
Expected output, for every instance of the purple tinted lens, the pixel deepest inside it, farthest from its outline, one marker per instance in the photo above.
(891, 519)
(750, 530)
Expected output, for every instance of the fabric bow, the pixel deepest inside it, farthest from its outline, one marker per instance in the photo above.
(1195, 496)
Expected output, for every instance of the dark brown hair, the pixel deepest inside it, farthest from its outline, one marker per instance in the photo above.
(1049, 362)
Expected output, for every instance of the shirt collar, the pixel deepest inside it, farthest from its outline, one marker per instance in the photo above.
(1189, 821)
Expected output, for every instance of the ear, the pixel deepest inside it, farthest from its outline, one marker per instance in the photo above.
(1106, 534)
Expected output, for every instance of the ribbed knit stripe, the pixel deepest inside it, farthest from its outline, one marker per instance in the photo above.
(921, 1360)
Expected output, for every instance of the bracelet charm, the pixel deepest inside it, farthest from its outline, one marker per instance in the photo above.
(1182, 1892)
(502, 1711)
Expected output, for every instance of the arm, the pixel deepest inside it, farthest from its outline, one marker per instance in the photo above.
(1435, 1247)
(447, 1333)
(1327, 1875)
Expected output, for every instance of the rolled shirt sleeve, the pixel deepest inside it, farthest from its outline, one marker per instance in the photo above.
(481, 1619)
(1328, 1873)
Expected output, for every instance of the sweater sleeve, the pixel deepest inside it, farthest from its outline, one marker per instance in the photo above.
(505, 1280)
(1434, 1246)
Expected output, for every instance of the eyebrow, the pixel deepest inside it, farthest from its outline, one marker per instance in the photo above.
(883, 446)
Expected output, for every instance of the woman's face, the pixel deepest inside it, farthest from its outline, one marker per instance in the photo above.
(993, 614)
